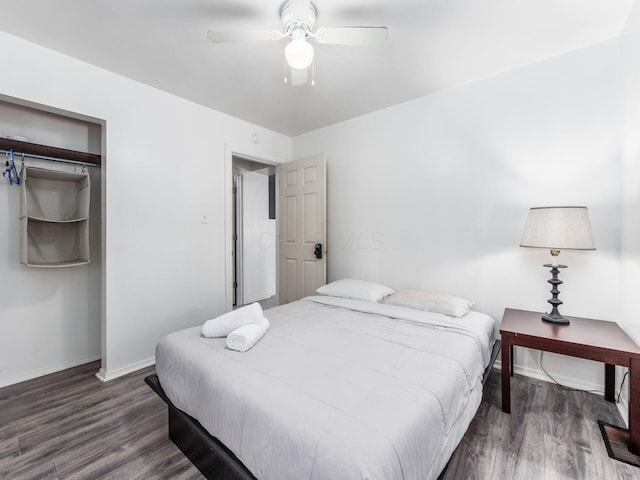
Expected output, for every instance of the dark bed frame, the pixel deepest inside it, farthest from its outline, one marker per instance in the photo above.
(213, 459)
(207, 453)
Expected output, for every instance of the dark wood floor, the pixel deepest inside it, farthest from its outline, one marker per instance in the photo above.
(550, 434)
(68, 425)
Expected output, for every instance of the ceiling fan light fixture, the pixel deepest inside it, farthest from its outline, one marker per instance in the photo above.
(298, 19)
(299, 53)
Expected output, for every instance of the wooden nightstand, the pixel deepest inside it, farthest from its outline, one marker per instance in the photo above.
(584, 338)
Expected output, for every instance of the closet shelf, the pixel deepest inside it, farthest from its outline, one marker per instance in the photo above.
(29, 148)
(69, 263)
(31, 218)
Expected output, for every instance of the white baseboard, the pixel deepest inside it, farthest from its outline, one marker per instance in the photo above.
(623, 408)
(45, 371)
(105, 376)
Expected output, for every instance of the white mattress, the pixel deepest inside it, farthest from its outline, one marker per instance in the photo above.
(336, 389)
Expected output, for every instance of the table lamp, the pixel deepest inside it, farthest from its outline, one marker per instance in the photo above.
(557, 228)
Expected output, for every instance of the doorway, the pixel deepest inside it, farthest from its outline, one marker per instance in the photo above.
(254, 244)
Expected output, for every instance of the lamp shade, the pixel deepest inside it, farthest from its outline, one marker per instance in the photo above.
(558, 228)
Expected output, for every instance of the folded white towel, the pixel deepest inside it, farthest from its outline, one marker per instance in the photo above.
(245, 337)
(224, 324)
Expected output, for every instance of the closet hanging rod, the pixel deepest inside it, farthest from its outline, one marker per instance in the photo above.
(49, 152)
(51, 159)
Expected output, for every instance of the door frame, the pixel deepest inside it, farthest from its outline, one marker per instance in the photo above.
(237, 243)
(229, 153)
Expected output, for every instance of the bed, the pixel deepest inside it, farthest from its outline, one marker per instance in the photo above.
(337, 389)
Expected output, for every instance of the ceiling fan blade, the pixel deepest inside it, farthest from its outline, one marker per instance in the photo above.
(299, 76)
(233, 36)
(356, 36)
(299, 8)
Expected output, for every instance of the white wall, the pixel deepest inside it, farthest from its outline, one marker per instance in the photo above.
(47, 128)
(630, 251)
(164, 168)
(258, 240)
(630, 44)
(434, 193)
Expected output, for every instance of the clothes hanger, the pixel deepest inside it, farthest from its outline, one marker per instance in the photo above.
(11, 173)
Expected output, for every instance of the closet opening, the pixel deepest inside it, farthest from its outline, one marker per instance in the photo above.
(52, 224)
(254, 232)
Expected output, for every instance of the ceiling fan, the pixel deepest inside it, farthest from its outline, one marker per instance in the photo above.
(298, 20)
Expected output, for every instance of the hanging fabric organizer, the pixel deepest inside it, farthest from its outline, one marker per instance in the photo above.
(55, 218)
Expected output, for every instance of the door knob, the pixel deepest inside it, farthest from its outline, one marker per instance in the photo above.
(317, 251)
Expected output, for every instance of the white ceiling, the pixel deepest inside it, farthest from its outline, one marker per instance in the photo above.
(433, 45)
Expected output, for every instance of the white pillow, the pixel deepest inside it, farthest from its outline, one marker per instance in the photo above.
(356, 289)
(431, 302)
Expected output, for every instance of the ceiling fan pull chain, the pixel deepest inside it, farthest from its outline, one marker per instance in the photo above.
(313, 73)
(285, 71)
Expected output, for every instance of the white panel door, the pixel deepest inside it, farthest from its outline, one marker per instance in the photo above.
(303, 203)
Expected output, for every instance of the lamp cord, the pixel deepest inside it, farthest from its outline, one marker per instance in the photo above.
(621, 385)
(564, 387)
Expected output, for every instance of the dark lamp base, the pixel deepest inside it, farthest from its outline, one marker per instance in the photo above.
(555, 319)
(554, 316)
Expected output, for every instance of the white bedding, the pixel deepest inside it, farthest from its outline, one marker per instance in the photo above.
(333, 393)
